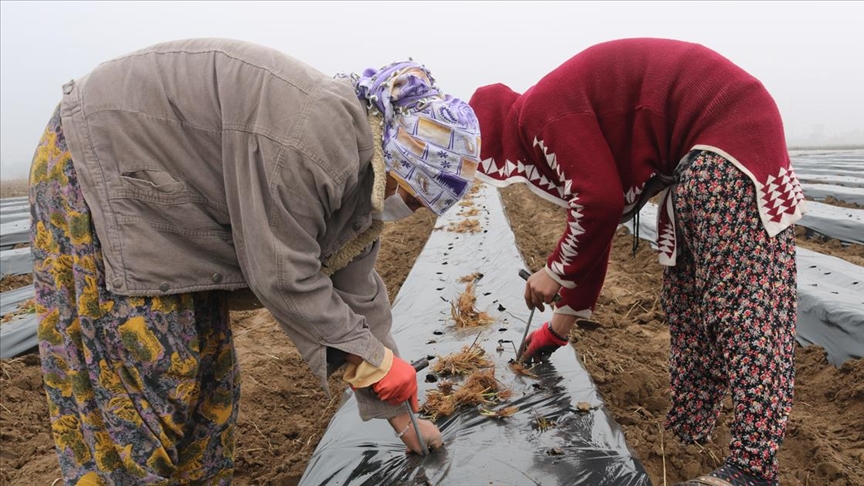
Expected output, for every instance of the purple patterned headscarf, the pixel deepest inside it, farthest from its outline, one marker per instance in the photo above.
(431, 141)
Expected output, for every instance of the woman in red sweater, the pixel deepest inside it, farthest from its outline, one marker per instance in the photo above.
(617, 124)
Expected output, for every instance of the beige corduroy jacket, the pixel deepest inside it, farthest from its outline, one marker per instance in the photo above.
(217, 164)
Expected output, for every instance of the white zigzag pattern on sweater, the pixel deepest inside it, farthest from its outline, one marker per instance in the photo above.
(570, 244)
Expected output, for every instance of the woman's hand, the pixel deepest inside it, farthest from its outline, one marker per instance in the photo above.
(429, 431)
(540, 289)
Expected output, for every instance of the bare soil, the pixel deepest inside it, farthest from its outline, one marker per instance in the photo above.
(283, 412)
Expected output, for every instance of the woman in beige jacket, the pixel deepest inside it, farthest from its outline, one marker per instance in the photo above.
(181, 175)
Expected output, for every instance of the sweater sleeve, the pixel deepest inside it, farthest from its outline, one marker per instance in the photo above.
(286, 192)
(281, 260)
(576, 150)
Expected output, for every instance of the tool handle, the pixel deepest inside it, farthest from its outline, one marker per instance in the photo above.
(524, 336)
(524, 274)
(411, 414)
(420, 364)
(417, 365)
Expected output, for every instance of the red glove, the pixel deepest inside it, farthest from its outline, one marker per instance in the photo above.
(541, 343)
(398, 385)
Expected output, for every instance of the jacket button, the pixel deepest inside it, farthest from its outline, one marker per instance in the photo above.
(216, 278)
(117, 282)
(164, 286)
(358, 225)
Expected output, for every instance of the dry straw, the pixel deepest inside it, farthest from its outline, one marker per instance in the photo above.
(26, 307)
(470, 359)
(479, 389)
(520, 369)
(500, 413)
(470, 278)
(465, 226)
(465, 314)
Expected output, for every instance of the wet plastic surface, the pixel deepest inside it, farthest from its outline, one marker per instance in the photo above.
(14, 229)
(19, 334)
(582, 448)
(844, 224)
(14, 222)
(13, 201)
(16, 262)
(14, 212)
(14, 233)
(831, 173)
(831, 305)
(819, 192)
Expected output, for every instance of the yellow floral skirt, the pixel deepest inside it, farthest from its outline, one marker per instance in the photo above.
(141, 390)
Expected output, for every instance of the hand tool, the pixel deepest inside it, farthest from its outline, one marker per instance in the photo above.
(524, 274)
(418, 365)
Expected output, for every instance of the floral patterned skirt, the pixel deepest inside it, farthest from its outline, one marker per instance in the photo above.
(731, 301)
(141, 390)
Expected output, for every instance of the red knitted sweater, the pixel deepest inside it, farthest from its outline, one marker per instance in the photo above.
(590, 134)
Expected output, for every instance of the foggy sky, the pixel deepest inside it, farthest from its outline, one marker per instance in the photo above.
(809, 55)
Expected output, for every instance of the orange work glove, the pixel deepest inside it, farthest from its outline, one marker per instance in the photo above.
(399, 384)
(541, 343)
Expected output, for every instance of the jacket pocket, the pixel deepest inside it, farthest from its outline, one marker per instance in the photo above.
(167, 204)
(153, 181)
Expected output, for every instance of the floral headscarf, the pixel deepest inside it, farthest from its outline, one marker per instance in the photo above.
(431, 141)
